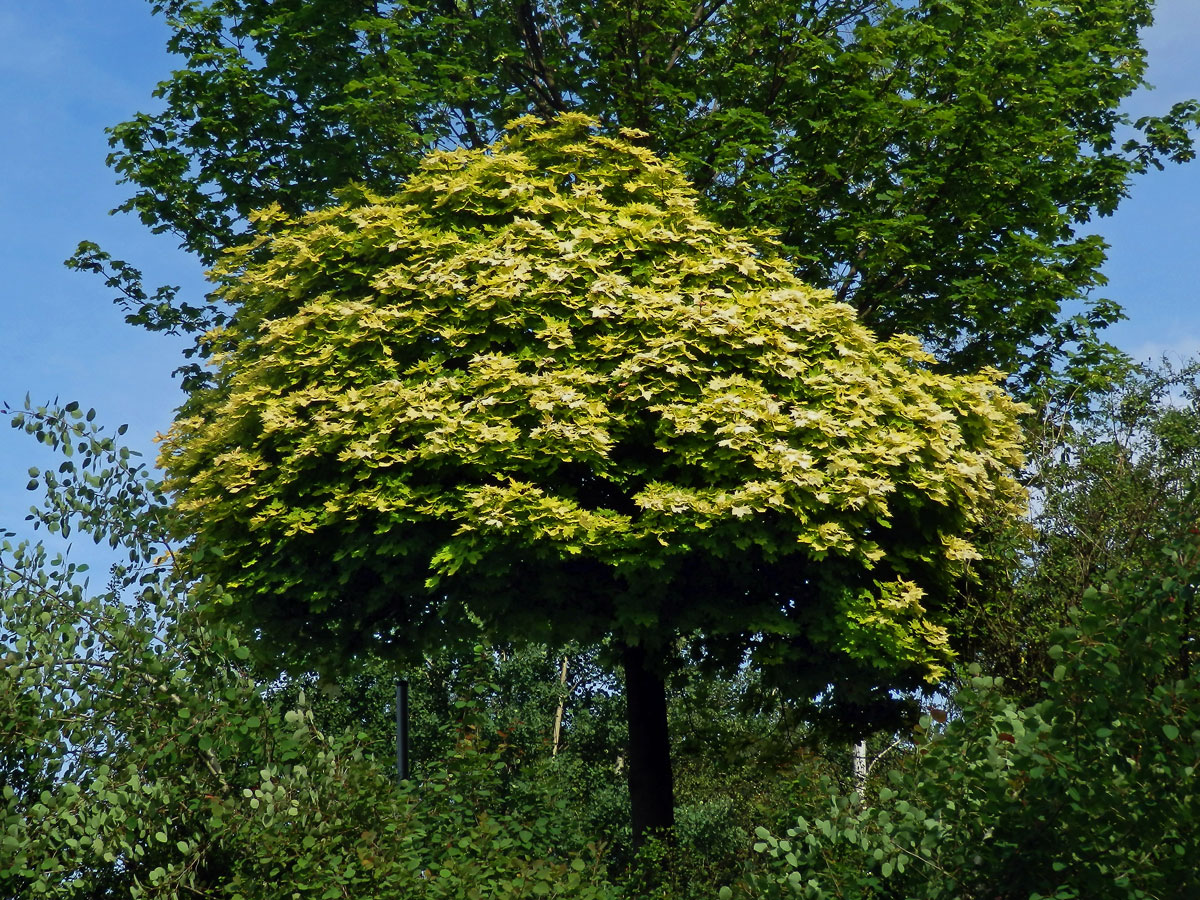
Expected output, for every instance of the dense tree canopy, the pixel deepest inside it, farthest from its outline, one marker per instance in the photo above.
(931, 161)
(537, 389)
(544, 389)
(539, 362)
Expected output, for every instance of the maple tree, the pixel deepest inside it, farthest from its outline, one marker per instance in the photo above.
(538, 391)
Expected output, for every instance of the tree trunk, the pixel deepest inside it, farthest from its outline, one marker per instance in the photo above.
(561, 709)
(859, 754)
(651, 788)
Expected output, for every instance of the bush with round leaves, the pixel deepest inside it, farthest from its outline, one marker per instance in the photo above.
(142, 758)
(1090, 793)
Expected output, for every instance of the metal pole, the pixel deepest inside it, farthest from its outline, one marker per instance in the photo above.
(402, 729)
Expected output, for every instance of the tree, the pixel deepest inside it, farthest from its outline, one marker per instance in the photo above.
(1114, 483)
(536, 390)
(932, 162)
(1118, 483)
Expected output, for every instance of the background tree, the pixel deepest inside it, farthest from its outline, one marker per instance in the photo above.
(1119, 482)
(931, 162)
(537, 390)
(1114, 482)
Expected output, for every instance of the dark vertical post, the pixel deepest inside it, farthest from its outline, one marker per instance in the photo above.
(402, 728)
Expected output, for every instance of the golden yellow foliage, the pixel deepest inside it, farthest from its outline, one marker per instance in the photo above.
(536, 386)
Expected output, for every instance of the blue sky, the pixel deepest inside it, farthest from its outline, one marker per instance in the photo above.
(68, 69)
(71, 67)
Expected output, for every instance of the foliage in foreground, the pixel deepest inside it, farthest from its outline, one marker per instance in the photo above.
(140, 758)
(1090, 793)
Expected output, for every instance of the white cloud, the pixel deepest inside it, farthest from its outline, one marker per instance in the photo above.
(1179, 350)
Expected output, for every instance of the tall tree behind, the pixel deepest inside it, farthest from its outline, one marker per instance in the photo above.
(929, 161)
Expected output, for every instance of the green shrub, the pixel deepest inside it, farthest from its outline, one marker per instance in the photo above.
(142, 758)
(1091, 793)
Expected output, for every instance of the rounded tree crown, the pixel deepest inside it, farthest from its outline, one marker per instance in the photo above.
(537, 388)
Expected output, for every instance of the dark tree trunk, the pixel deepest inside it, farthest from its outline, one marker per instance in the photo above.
(651, 788)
